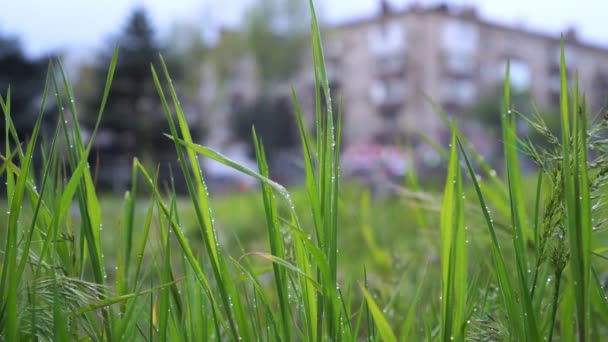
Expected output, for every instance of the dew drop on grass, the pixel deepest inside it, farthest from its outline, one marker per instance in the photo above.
(493, 173)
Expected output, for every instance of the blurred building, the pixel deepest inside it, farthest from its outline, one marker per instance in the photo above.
(386, 65)
(387, 68)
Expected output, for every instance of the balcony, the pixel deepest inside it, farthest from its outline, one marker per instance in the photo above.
(459, 64)
(388, 94)
(387, 39)
(458, 93)
(391, 65)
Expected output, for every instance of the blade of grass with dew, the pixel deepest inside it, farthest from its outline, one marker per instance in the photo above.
(573, 198)
(585, 225)
(146, 226)
(122, 273)
(275, 240)
(328, 146)
(164, 305)
(308, 294)
(87, 199)
(6, 110)
(9, 286)
(518, 214)
(537, 231)
(210, 153)
(453, 250)
(232, 297)
(88, 203)
(181, 238)
(39, 200)
(311, 181)
(513, 311)
(92, 203)
(200, 200)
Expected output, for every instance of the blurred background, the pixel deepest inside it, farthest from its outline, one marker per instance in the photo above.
(392, 65)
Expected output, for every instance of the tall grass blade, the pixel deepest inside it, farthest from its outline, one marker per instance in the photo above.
(384, 329)
(518, 215)
(507, 292)
(453, 250)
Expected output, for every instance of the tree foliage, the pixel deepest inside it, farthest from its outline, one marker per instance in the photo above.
(133, 111)
(25, 77)
(273, 120)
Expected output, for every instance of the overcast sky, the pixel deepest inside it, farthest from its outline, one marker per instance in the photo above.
(44, 25)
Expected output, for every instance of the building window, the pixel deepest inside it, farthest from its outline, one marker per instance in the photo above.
(387, 90)
(387, 38)
(461, 36)
(458, 91)
(519, 74)
(390, 63)
(569, 54)
(461, 63)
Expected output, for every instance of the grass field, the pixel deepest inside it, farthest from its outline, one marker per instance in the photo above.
(513, 258)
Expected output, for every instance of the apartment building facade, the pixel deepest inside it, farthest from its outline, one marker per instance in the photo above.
(387, 67)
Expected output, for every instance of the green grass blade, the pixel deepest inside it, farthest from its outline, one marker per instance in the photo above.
(384, 329)
(9, 284)
(521, 231)
(514, 313)
(453, 250)
(275, 240)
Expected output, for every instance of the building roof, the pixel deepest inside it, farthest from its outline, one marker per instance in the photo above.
(467, 13)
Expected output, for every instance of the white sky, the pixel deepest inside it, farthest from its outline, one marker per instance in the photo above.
(44, 25)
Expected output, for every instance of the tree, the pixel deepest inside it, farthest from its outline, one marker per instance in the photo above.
(133, 111)
(26, 80)
(274, 122)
